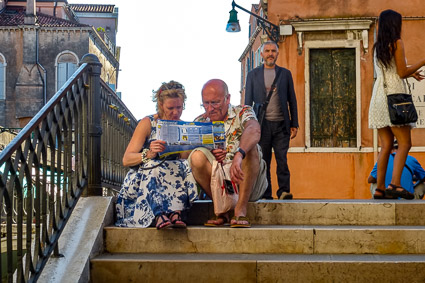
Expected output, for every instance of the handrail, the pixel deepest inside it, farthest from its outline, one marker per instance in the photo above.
(72, 147)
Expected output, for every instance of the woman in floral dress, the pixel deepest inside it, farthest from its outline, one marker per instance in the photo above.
(154, 189)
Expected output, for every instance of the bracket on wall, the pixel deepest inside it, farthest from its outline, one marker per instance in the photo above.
(300, 42)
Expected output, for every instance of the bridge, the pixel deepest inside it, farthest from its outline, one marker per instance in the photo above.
(59, 175)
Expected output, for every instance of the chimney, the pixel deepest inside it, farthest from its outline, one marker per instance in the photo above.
(30, 13)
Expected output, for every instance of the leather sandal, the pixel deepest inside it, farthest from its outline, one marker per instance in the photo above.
(220, 220)
(398, 192)
(165, 223)
(176, 219)
(240, 222)
(380, 196)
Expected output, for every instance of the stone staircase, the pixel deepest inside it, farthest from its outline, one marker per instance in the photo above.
(290, 241)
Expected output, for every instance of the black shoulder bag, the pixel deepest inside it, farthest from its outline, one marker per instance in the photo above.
(400, 106)
(260, 108)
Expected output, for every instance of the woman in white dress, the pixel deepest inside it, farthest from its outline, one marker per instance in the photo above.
(390, 65)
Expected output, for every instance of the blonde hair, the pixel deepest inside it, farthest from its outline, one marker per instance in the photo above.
(172, 89)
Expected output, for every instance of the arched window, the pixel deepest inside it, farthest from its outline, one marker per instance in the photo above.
(66, 65)
(2, 77)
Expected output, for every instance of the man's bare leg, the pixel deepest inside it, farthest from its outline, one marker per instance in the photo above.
(251, 168)
(201, 170)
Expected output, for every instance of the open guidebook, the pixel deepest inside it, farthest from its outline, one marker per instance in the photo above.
(183, 136)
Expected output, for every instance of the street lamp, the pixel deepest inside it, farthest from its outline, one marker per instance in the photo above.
(271, 30)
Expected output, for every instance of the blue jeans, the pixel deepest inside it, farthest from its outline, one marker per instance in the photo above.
(275, 135)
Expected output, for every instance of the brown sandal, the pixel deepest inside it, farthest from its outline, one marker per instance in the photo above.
(380, 196)
(398, 192)
(240, 222)
(219, 220)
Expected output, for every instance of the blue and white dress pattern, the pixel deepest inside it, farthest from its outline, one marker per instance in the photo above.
(148, 193)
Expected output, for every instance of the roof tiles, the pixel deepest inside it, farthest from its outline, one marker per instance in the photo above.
(14, 18)
(92, 8)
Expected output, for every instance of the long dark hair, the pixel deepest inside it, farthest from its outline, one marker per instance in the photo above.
(389, 30)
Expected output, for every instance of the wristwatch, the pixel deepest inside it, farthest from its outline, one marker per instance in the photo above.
(241, 151)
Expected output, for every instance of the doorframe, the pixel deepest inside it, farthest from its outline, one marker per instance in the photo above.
(354, 44)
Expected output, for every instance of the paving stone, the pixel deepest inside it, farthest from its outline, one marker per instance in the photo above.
(259, 239)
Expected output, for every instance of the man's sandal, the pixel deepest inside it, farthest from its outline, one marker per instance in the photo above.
(165, 223)
(381, 194)
(176, 219)
(398, 192)
(240, 222)
(220, 220)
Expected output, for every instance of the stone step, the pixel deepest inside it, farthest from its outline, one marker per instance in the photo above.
(233, 268)
(323, 212)
(269, 239)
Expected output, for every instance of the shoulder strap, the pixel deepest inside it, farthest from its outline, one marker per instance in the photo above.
(385, 81)
(273, 86)
(408, 168)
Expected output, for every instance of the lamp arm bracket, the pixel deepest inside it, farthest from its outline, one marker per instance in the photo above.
(271, 29)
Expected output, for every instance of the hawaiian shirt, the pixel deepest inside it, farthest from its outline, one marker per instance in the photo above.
(234, 126)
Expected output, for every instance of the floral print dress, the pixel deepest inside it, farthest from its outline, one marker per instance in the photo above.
(148, 193)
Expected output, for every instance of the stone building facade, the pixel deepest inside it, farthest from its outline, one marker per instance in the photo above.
(41, 43)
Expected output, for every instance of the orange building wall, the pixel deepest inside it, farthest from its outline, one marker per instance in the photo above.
(286, 9)
(330, 175)
(334, 175)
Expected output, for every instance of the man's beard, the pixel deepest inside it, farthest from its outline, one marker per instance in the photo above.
(270, 63)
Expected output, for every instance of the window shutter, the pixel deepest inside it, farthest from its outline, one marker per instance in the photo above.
(61, 74)
(2, 82)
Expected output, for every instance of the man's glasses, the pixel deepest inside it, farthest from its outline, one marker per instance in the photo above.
(213, 104)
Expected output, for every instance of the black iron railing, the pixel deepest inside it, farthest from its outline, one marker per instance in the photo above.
(73, 146)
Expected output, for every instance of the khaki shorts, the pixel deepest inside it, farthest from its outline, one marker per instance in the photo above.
(260, 184)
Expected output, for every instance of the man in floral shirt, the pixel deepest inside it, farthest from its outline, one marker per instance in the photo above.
(247, 169)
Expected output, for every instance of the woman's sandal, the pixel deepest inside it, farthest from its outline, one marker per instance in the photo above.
(381, 194)
(176, 219)
(165, 223)
(398, 192)
(219, 220)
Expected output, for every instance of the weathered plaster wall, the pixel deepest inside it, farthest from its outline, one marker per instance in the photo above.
(339, 175)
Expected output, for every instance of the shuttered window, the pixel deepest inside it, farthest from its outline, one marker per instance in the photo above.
(66, 66)
(2, 79)
(333, 97)
(65, 71)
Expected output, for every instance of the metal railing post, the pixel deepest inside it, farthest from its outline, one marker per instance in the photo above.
(94, 126)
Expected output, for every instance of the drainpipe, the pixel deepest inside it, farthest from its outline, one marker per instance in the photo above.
(54, 9)
(44, 70)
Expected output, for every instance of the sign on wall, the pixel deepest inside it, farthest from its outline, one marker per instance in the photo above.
(418, 92)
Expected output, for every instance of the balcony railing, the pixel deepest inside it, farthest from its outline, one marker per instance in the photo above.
(72, 147)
